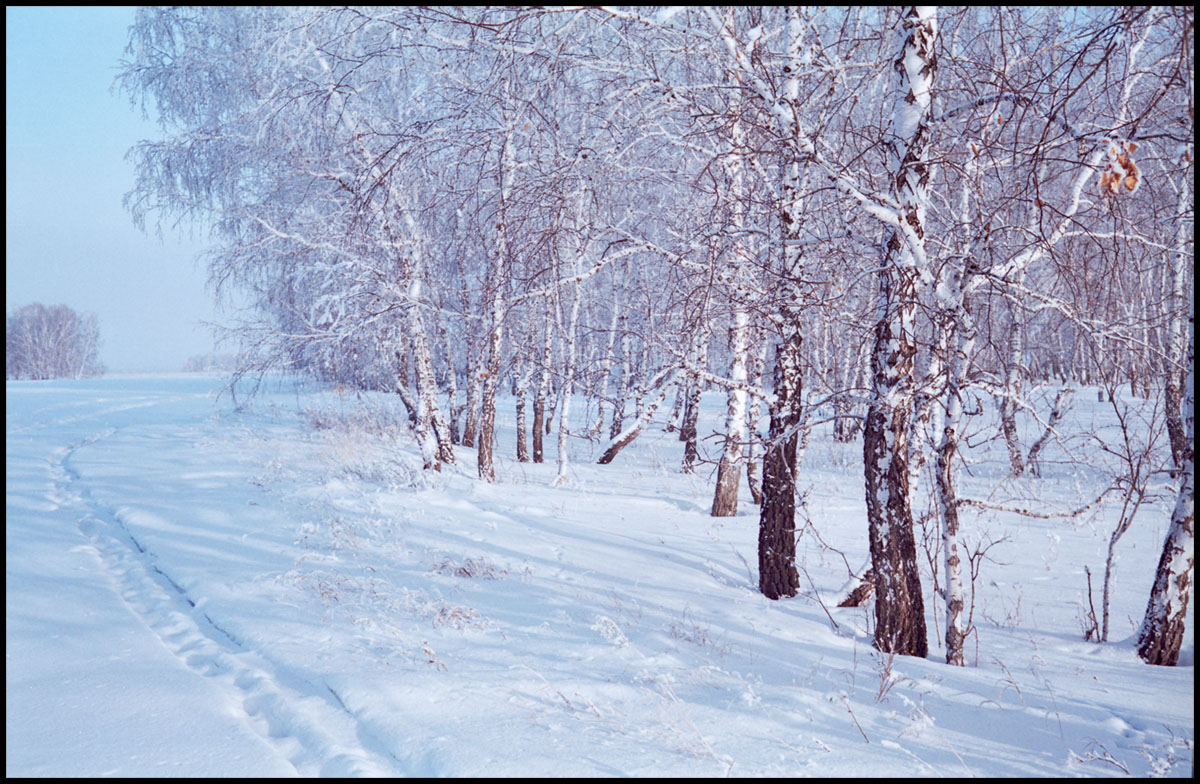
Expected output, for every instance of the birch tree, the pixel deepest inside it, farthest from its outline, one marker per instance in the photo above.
(1161, 633)
(43, 342)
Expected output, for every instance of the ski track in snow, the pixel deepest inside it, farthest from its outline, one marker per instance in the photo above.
(308, 723)
(629, 638)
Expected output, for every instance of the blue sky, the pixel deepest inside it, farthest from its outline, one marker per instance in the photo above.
(68, 239)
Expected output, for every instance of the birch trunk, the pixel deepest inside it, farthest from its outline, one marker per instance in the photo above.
(899, 605)
(729, 470)
(567, 388)
(1161, 634)
(497, 271)
(753, 476)
(428, 414)
(523, 378)
(618, 415)
(962, 331)
(606, 365)
(543, 391)
(474, 387)
(777, 576)
(451, 389)
(691, 413)
(1012, 385)
(1176, 334)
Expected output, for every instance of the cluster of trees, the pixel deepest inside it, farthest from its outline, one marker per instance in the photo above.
(212, 361)
(880, 216)
(51, 342)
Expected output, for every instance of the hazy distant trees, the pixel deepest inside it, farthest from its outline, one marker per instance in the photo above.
(210, 362)
(43, 342)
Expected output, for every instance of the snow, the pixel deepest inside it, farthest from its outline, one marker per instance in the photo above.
(197, 589)
(667, 13)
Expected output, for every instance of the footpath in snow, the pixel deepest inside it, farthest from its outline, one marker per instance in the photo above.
(194, 589)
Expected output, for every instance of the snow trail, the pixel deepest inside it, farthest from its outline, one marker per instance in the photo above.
(203, 591)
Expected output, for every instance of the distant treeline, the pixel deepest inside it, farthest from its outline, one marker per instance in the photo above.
(201, 363)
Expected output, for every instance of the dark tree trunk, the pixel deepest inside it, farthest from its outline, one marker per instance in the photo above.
(899, 605)
(777, 577)
(864, 588)
(725, 499)
(539, 430)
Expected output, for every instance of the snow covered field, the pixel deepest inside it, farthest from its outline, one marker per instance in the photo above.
(197, 590)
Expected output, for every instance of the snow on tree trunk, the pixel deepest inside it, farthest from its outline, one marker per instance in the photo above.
(777, 576)
(729, 470)
(487, 402)
(899, 605)
(1161, 633)
(411, 408)
(957, 337)
(847, 426)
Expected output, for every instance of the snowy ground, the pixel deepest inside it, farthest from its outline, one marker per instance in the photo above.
(197, 590)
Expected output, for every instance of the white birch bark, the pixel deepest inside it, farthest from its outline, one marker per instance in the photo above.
(1176, 333)
(606, 364)
(899, 605)
(618, 414)
(451, 388)
(729, 469)
(754, 412)
(691, 413)
(567, 388)
(538, 433)
(497, 270)
(668, 380)
(1161, 633)
(523, 377)
(777, 575)
(1014, 373)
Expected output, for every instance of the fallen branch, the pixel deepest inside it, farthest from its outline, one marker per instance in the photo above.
(626, 436)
